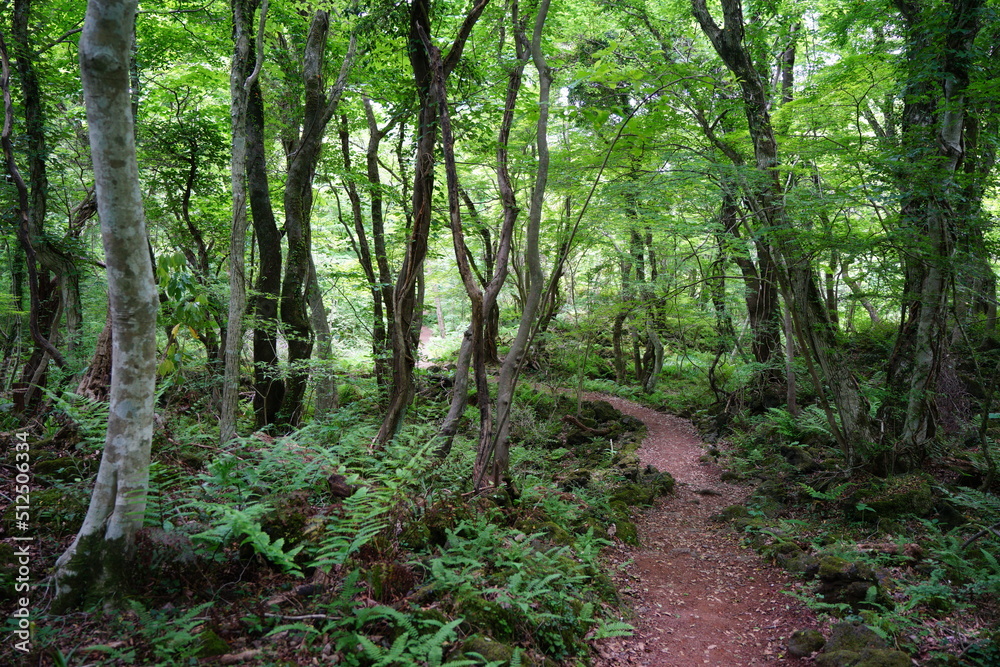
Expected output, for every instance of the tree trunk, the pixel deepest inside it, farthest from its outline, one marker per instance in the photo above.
(319, 107)
(42, 258)
(239, 83)
(95, 565)
(359, 239)
(269, 387)
(939, 58)
(96, 381)
(326, 381)
(618, 329)
(405, 296)
(384, 323)
(765, 194)
(459, 396)
(492, 458)
(860, 295)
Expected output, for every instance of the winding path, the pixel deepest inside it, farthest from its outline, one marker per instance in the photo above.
(700, 597)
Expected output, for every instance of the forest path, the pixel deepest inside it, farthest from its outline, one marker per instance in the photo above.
(701, 598)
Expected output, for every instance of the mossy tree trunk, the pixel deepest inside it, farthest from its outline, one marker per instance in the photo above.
(239, 84)
(303, 156)
(96, 563)
(939, 59)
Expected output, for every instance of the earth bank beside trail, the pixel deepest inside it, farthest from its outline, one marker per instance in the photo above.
(700, 597)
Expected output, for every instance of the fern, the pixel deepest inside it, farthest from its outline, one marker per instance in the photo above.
(244, 524)
(826, 496)
(607, 629)
(411, 647)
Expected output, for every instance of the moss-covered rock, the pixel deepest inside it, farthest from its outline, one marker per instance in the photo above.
(837, 659)
(766, 505)
(848, 582)
(287, 518)
(853, 637)
(488, 649)
(634, 494)
(892, 498)
(57, 510)
(804, 643)
(480, 614)
(879, 657)
(211, 644)
(626, 531)
(790, 556)
(576, 479)
(555, 532)
(62, 469)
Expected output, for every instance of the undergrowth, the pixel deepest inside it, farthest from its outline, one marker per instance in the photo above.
(316, 546)
(924, 542)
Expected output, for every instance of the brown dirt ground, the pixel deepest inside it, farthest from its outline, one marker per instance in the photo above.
(700, 597)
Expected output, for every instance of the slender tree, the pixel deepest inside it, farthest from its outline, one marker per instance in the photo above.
(239, 88)
(765, 196)
(406, 295)
(303, 155)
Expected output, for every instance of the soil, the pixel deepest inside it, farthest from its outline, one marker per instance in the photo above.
(700, 597)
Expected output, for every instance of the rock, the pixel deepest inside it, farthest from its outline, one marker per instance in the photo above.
(837, 659)
(768, 506)
(210, 644)
(339, 488)
(63, 469)
(852, 637)
(804, 643)
(877, 657)
(489, 649)
(603, 411)
(731, 476)
(844, 581)
(626, 532)
(662, 483)
(894, 497)
(555, 532)
(287, 518)
(805, 564)
(801, 459)
(576, 479)
(481, 613)
(633, 494)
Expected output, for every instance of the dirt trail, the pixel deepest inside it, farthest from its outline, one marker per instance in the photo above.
(700, 597)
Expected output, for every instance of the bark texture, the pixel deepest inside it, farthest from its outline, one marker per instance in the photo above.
(239, 84)
(95, 562)
(319, 108)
